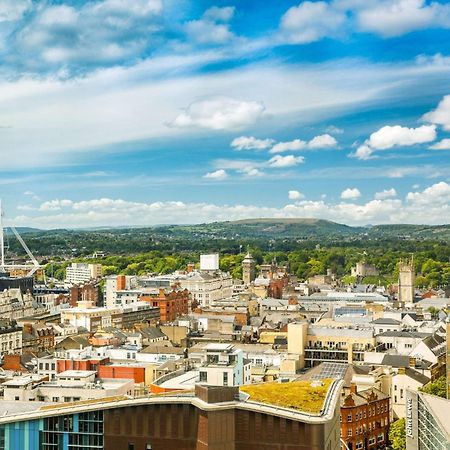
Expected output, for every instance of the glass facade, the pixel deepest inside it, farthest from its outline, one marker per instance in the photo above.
(430, 435)
(67, 432)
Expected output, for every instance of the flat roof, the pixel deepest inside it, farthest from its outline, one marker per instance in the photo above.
(184, 381)
(76, 373)
(306, 396)
(218, 347)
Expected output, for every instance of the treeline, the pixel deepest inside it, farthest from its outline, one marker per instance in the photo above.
(432, 262)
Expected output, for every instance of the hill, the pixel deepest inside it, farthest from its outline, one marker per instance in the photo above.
(267, 228)
(227, 237)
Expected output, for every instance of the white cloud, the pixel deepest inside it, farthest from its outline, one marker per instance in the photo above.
(317, 142)
(310, 22)
(55, 205)
(279, 161)
(252, 172)
(390, 18)
(392, 136)
(441, 115)
(437, 195)
(12, 10)
(206, 32)
(213, 27)
(322, 141)
(220, 113)
(388, 137)
(295, 195)
(217, 14)
(334, 130)
(219, 174)
(296, 144)
(95, 33)
(363, 152)
(387, 193)
(251, 143)
(350, 194)
(441, 145)
(431, 206)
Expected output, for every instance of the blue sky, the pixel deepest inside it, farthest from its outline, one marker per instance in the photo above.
(140, 112)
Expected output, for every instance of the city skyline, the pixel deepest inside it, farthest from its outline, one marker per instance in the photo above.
(121, 112)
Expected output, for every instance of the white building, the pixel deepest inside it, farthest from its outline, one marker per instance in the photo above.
(15, 305)
(405, 378)
(119, 283)
(69, 386)
(10, 337)
(90, 317)
(223, 365)
(207, 287)
(80, 273)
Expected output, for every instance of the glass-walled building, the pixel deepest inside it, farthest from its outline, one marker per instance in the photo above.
(427, 422)
(82, 431)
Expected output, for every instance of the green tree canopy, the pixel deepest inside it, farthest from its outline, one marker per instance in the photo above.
(397, 434)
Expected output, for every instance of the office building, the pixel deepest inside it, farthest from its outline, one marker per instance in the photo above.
(80, 273)
(427, 422)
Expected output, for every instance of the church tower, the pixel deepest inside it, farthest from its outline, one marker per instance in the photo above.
(248, 269)
(406, 280)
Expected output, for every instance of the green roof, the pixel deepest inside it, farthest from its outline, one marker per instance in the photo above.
(306, 396)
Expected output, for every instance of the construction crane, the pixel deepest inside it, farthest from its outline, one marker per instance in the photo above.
(32, 268)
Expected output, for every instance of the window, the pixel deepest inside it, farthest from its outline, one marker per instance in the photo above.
(380, 437)
(225, 378)
(16, 398)
(401, 393)
(130, 446)
(203, 376)
(359, 445)
(349, 432)
(349, 418)
(55, 399)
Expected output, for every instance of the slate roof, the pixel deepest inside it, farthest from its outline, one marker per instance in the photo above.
(385, 321)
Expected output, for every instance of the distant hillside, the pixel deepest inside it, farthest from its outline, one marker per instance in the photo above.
(226, 237)
(22, 230)
(422, 232)
(269, 228)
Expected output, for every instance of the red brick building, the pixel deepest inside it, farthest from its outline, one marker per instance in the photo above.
(80, 364)
(171, 305)
(86, 292)
(365, 419)
(136, 373)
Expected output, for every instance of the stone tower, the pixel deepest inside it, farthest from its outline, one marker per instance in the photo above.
(406, 279)
(248, 269)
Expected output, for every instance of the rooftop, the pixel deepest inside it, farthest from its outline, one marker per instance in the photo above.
(305, 396)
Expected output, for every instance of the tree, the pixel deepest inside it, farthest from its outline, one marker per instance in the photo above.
(397, 434)
(437, 387)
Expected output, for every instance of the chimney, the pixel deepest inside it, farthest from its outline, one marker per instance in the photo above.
(353, 388)
(190, 267)
(412, 362)
(162, 292)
